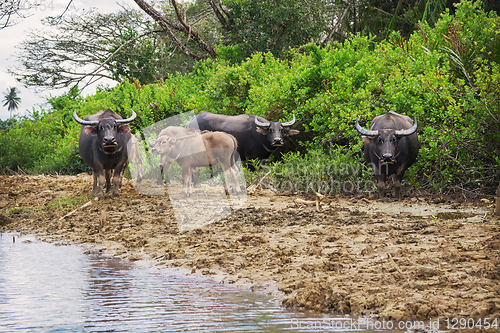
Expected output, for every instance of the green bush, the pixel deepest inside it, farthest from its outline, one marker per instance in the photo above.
(337, 170)
(446, 77)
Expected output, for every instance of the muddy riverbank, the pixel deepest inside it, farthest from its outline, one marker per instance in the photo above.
(415, 259)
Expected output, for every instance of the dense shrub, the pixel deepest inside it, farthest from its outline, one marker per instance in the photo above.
(446, 77)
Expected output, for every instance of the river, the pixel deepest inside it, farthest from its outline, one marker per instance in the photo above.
(48, 288)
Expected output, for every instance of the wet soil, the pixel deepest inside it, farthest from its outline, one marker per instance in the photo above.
(418, 258)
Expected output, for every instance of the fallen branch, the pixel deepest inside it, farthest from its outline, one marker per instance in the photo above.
(73, 211)
(394, 263)
(305, 202)
(253, 187)
(319, 197)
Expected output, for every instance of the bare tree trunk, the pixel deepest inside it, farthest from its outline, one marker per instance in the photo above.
(337, 24)
(192, 32)
(166, 24)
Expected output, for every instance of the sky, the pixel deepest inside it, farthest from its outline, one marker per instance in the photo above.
(12, 36)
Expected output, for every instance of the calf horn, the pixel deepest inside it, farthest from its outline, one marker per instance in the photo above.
(84, 122)
(365, 131)
(290, 123)
(261, 124)
(408, 131)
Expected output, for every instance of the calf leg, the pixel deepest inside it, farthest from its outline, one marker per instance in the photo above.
(196, 177)
(159, 181)
(166, 171)
(186, 179)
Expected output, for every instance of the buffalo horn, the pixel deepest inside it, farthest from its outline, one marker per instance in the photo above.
(260, 124)
(128, 120)
(365, 131)
(408, 131)
(84, 122)
(290, 123)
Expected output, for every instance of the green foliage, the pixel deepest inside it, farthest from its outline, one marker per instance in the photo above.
(337, 170)
(454, 96)
(271, 26)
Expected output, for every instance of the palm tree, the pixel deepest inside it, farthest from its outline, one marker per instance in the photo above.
(11, 100)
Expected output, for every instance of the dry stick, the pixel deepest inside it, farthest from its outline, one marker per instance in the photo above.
(253, 187)
(73, 211)
(305, 202)
(319, 197)
(394, 263)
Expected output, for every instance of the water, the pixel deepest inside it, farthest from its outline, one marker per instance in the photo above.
(47, 288)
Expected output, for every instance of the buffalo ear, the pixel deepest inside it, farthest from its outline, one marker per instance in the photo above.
(123, 128)
(262, 131)
(92, 130)
(172, 141)
(368, 139)
(292, 132)
(152, 142)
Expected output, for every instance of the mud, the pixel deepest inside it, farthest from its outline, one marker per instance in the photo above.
(413, 259)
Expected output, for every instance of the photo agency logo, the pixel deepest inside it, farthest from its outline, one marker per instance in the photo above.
(323, 177)
(202, 170)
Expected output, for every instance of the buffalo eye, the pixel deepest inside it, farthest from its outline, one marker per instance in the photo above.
(393, 139)
(379, 140)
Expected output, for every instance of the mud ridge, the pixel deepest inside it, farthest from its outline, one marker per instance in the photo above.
(399, 260)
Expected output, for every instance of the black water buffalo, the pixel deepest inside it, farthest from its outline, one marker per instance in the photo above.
(198, 150)
(257, 137)
(103, 146)
(391, 146)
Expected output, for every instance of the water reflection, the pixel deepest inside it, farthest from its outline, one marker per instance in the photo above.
(46, 288)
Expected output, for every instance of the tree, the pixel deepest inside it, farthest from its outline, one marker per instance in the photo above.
(11, 100)
(248, 25)
(13, 10)
(275, 26)
(85, 48)
(381, 17)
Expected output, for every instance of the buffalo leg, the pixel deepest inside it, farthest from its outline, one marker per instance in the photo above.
(107, 173)
(100, 184)
(117, 180)
(398, 178)
(380, 177)
(94, 184)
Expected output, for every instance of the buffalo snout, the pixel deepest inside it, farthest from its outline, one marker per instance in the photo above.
(388, 158)
(109, 141)
(278, 142)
